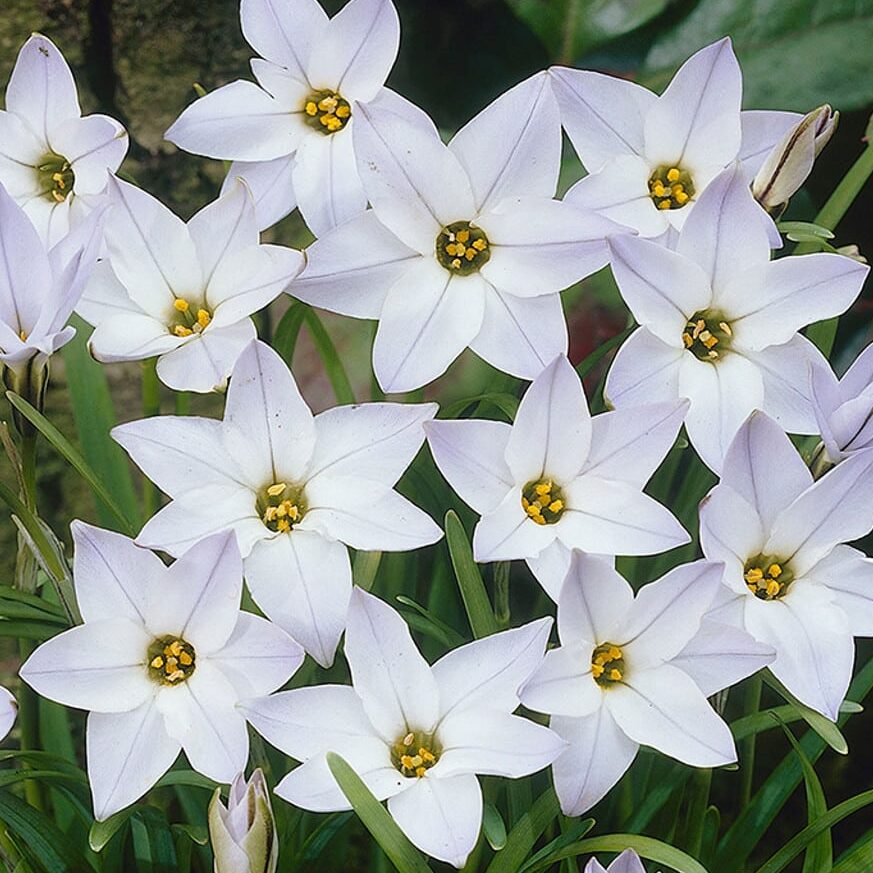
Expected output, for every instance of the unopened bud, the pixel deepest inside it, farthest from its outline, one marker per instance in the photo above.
(243, 835)
(28, 379)
(8, 711)
(852, 251)
(789, 164)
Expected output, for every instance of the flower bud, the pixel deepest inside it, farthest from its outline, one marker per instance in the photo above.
(790, 162)
(243, 835)
(8, 711)
(27, 378)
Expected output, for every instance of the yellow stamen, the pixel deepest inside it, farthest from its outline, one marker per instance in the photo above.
(673, 174)
(276, 490)
(181, 304)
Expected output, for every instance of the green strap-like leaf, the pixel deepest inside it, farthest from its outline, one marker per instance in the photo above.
(824, 727)
(522, 838)
(333, 366)
(473, 593)
(376, 819)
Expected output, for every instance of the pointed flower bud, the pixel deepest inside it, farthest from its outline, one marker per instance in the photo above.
(243, 835)
(790, 162)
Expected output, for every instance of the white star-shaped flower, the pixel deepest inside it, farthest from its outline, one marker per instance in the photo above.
(8, 711)
(465, 245)
(634, 671)
(788, 579)
(559, 479)
(416, 734)
(161, 661)
(627, 862)
(720, 320)
(296, 489)
(844, 407)
(290, 136)
(649, 157)
(54, 162)
(182, 292)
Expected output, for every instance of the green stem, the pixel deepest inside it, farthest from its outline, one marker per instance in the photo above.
(752, 703)
(183, 403)
(501, 593)
(823, 333)
(698, 802)
(151, 405)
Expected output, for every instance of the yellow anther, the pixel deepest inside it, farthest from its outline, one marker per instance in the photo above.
(673, 174)
(282, 525)
(775, 571)
(479, 244)
(615, 674)
(181, 330)
(556, 506)
(659, 190)
(328, 104)
(678, 188)
(452, 249)
(409, 739)
(754, 575)
(543, 488)
(470, 253)
(58, 197)
(203, 317)
(185, 659)
(773, 588)
(456, 263)
(157, 662)
(343, 111)
(181, 304)
(311, 108)
(539, 519)
(462, 236)
(597, 670)
(426, 756)
(276, 490)
(420, 771)
(534, 509)
(681, 198)
(615, 653)
(664, 204)
(22, 335)
(726, 328)
(282, 509)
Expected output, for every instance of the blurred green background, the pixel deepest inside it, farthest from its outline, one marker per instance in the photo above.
(138, 60)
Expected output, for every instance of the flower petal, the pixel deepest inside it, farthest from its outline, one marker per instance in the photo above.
(127, 753)
(303, 581)
(8, 712)
(762, 131)
(129, 336)
(442, 817)
(848, 573)
(282, 32)
(563, 683)
(731, 530)
(512, 148)
(645, 370)
(507, 532)
(95, 146)
(550, 568)
(270, 184)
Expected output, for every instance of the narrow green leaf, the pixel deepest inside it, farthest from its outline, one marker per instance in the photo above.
(333, 366)
(103, 831)
(74, 457)
(858, 859)
(574, 832)
(526, 832)
(438, 629)
(320, 838)
(365, 567)
(288, 331)
(503, 402)
(473, 593)
(403, 855)
(153, 841)
(586, 365)
(493, 827)
(759, 722)
(95, 417)
(186, 777)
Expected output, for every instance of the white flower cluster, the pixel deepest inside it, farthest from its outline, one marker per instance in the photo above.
(462, 245)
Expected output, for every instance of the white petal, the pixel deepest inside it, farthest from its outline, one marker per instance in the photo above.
(198, 597)
(270, 422)
(239, 122)
(282, 32)
(303, 582)
(836, 509)
(719, 656)
(95, 146)
(550, 568)
(200, 713)
(471, 456)
(629, 444)
(395, 683)
(98, 666)
(762, 131)
(271, 186)
(769, 306)
(180, 453)
(258, 657)
(151, 250)
(627, 862)
(696, 121)
(619, 191)
(415, 183)
(130, 336)
(521, 335)
(813, 643)
(594, 600)
(552, 430)
(357, 49)
(603, 115)
(663, 708)
(489, 672)
(662, 288)
(764, 468)
(667, 613)
(326, 182)
(442, 817)
(645, 370)
(20, 151)
(724, 229)
(495, 744)
(8, 712)
(350, 269)
(429, 317)
(563, 683)
(722, 395)
(306, 722)
(598, 757)
(507, 532)
(512, 148)
(848, 573)
(112, 574)
(376, 441)
(127, 753)
(41, 89)
(730, 528)
(606, 516)
(541, 246)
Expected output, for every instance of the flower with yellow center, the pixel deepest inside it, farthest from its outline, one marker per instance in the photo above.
(161, 661)
(636, 670)
(326, 111)
(417, 734)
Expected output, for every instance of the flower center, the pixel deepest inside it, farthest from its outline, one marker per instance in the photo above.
(670, 187)
(187, 320)
(707, 335)
(543, 501)
(462, 248)
(607, 665)
(326, 111)
(414, 754)
(767, 578)
(56, 177)
(171, 660)
(281, 506)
